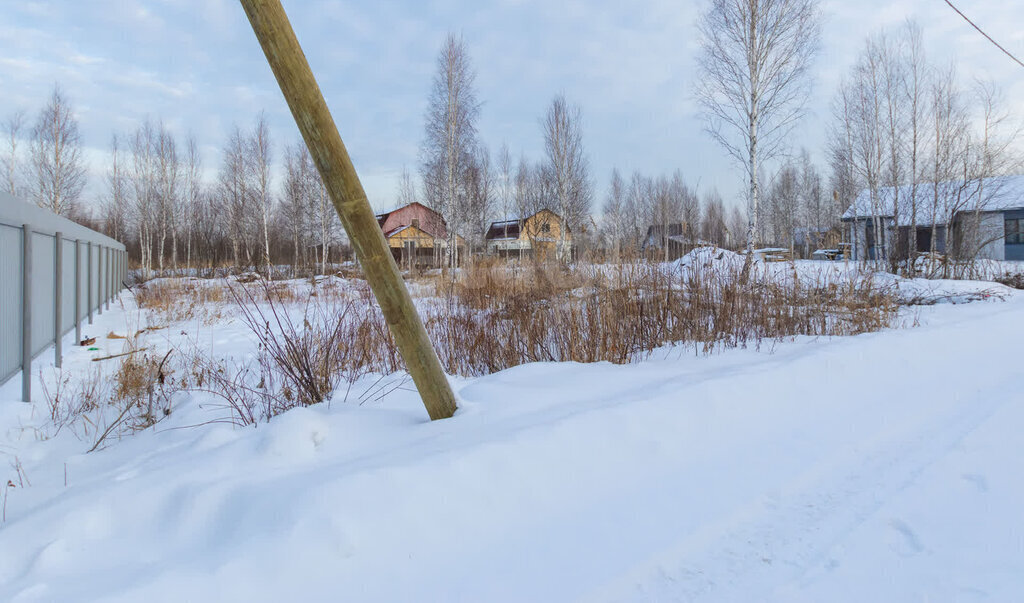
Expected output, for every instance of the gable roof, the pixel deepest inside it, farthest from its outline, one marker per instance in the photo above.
(384, 214)
(435, 227)
(999, 193)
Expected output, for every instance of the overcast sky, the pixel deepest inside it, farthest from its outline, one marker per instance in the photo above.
(196, 65)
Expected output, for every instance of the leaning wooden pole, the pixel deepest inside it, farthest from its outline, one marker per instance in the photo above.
(275, 34)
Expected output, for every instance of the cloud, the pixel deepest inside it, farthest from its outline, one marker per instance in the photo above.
(196, 65)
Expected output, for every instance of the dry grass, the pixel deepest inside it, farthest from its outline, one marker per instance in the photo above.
(495, 317)
(314, 342)
(174, 300)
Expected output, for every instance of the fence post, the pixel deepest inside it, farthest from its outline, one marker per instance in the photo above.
(104, 276)
(78, 291)
(26, 314)
(99, 280)
(58, 300)
(110, 275)
(88, 281)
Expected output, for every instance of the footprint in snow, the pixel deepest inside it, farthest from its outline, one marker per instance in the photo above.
(909, 543)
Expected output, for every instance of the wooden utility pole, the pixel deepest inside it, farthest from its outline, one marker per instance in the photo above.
(275, 34)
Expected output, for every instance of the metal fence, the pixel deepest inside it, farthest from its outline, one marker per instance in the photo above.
(54, 274)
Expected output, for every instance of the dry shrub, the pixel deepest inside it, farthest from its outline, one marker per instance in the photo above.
(137, 393)
(72, 399)
(177, 299)
(1011, 279)
(302, 357)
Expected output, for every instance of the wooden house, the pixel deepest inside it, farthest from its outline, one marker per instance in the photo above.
(539, 235)
(416, 235)
(668, 241)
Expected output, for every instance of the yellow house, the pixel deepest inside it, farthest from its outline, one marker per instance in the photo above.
(543, 235)
(406, 236)
(411, 245)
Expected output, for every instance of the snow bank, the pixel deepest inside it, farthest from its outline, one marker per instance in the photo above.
(783, 476)
(709, 256)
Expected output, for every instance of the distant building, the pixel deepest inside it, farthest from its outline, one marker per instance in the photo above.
(808, 240)
(416, 234)
(670, 239)
(987, 219)
(543, 235)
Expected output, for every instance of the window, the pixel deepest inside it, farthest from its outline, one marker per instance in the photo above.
(1015, 231)
(545, 228)
(415, 222)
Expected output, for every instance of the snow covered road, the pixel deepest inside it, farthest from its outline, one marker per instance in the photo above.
(879, 467)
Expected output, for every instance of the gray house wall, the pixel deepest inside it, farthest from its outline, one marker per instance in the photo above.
(992, 232)
(54, 274)
(858, 230)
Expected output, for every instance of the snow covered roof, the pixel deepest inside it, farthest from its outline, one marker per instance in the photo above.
(999, 193)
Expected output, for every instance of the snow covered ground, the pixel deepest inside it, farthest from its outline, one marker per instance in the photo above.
(881, 467)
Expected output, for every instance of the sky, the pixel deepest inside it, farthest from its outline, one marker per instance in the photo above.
(630, 66)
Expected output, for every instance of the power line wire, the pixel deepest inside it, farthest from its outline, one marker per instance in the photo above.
(1007, 52)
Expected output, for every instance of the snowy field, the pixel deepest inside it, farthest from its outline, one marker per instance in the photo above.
(879, 467)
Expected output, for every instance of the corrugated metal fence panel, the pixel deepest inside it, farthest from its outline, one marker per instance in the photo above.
(92, 290)
(10, 301)
(43, 291)
(68, 274)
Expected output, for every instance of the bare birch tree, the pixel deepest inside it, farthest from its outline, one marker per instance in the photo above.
(614, 209)
(116, 201)
(144, 175)
(11, 159)
(915, 90)
(235, 191)
(505, 184)
(192, 195)
(714, 229)
(58, 169)
(406, 188)
(259, 156)
(481, 189)
(689, 208)
(754, 82)
(168, 167)
(450, 137)
(567, 163)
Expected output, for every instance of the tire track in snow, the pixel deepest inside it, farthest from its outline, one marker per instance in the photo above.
(772, 543)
